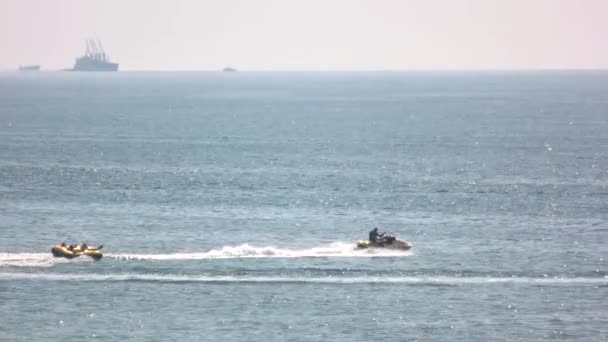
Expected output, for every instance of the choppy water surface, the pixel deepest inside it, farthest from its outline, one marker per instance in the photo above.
(229, 206)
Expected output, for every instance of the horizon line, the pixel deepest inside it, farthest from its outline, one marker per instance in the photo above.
(323, 70)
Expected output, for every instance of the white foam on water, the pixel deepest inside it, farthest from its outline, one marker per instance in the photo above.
(413, 280)
(337, 249)
(29, 259)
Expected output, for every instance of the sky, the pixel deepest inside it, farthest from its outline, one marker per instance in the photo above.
(309, 34)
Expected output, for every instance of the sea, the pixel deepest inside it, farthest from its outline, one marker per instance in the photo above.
(229, 206)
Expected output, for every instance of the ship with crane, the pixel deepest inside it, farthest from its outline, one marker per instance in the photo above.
(94, 59)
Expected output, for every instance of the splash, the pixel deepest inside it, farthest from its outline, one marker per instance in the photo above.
(337, 249)
(404, 280)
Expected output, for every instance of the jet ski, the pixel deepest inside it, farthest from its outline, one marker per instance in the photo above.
(387, 241)
(64, 251)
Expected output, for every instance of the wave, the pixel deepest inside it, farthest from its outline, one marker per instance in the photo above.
(337, 249)
(406, 280)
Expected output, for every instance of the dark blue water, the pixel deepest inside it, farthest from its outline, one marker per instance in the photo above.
(229, 206)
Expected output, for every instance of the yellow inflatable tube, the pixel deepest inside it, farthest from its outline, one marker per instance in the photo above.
(65, 252)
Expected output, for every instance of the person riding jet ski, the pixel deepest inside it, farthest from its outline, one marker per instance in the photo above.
(380, 238)
(383, 240)
(374, 235)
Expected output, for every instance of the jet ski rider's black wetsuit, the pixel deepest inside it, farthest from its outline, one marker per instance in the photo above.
(373, 235)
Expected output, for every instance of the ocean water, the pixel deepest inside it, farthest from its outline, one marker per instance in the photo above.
(229, 205)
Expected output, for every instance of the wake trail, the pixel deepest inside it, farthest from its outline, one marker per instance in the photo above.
(29, 259)
(337, 249)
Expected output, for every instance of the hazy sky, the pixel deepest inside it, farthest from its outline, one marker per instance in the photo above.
(309, 34)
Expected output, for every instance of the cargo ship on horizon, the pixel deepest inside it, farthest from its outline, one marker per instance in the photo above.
(94, 59)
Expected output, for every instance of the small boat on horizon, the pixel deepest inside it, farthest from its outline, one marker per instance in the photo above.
(29, 68)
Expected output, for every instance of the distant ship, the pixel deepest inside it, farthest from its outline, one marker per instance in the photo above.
(94, 59)
(229, 69)
(29, 68)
